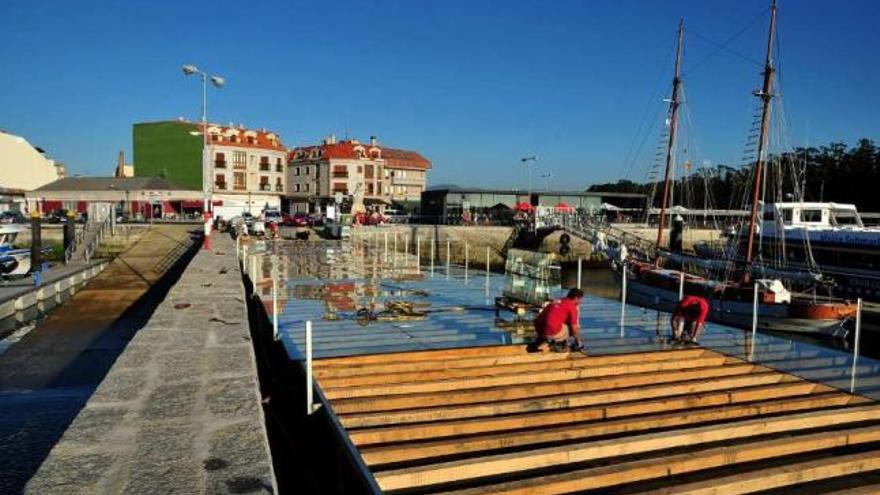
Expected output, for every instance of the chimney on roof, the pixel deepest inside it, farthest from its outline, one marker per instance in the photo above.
(373, 141)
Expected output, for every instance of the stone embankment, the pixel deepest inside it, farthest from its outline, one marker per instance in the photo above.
(180, 410)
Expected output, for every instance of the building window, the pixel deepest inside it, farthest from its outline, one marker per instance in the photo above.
(296, 188)
(215, 138)
(307, 170)
(220, 160)
(250, 140)
(370, 188)
(279, 186)
(379, 188)
(340, 172)
(239, 159)
(306, 187)
(368, 172)
(264, 183)
(240, 183)
(340, 187)
(264, 163)
(296, 171)
(220, 182)
(233, 138)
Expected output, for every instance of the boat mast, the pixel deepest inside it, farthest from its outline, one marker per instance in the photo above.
(765, 95)
(673, 124)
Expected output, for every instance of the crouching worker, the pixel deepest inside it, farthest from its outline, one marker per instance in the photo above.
(689, 317)
(558, 324)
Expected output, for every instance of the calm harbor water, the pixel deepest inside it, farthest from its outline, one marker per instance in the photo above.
(337, 286)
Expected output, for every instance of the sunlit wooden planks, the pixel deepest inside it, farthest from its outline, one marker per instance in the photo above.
(484, 421)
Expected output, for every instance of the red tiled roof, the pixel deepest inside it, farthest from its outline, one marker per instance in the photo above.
(261, 138)
(394, 158)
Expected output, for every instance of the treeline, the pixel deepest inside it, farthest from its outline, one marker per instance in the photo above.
(828, 173)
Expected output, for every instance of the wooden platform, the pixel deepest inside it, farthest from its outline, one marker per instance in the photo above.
(498, 420)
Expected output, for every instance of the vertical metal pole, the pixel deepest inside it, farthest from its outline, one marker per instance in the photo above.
(274, 304)
(418, 253)
(580, 271)
(754, 321)
(433, 240)
(680, 286)
(394, 262)
(386, 247)
(310, 385)
(856, 345)
(622, 297)
(466, 261)
(448, 255)
(487, 270)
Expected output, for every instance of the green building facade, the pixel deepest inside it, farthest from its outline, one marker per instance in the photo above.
(169, 150)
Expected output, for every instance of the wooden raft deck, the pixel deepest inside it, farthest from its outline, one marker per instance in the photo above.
(498, 420)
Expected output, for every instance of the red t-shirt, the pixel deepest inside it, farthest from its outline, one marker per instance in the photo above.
(693, 308)
(549, 322)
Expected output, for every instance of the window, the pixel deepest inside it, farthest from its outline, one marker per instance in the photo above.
(250, 140)
(220, 160)
(340, 171)
(296, 171)
(279, 186)
(307, 170)
(264, 183)
(233, 138)
(379, 188)
(279, 167)
(215, 137)
(239, 159)
(370, 188)
(296, 188)
(786, 217)
(264, 163)
(220, 182)
(813, 216)
(240, 183)
(368, 172)
(340, 187)
(306, 187)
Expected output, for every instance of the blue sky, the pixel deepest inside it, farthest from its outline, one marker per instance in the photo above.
(472, 85)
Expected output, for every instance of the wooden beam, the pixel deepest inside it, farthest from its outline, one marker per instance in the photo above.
(598, 411)
(537, 434)
(582, 452)
(489, 350)
(776, 477)
(468, 380)
(388, 403)
(476, 362)
(665, 466)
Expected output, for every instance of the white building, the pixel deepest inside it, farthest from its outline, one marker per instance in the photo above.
(247, 167)
(23, 166)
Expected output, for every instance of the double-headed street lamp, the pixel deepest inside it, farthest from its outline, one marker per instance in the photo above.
(218, 82)
(529, 165)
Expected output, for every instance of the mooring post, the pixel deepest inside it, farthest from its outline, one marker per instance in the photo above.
(754, 322)
(622, 297)
(856, 344)
(680, 286)
(244, 258)
(580, 271)
(433, 240)
(311, 407)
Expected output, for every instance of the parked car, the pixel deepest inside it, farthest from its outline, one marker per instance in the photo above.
(272, 215)
(12, 216)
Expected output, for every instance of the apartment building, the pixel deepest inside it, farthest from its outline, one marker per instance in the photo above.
(351, 171)
(246, 166)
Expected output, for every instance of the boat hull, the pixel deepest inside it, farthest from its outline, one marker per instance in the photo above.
(771, 317)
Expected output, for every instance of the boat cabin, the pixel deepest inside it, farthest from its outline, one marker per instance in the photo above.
(811, 215)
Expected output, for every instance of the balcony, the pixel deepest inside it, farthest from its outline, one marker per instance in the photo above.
(220, 163)
(265, 187)
(240, 187)
(279, 187)
(264, 167)
(279, 167)
(408, 181)
(220, 186)
(340, 175)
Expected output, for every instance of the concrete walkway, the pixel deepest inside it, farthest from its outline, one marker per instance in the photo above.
(179, 411)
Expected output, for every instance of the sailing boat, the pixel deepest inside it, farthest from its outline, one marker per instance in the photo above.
(734, 301)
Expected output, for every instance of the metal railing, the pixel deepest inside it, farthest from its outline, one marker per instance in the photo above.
(98, 230)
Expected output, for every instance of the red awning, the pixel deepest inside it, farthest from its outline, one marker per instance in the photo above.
(523, 206)
(192, 203)
(564, 208)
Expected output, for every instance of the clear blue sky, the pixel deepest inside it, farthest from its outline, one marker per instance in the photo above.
(473, 85)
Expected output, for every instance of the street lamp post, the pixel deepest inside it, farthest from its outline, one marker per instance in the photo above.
(218, 82)
(529, 162)
(547, 178)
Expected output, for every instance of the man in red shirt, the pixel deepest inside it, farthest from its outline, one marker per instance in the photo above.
(691, 313)
(559, 322)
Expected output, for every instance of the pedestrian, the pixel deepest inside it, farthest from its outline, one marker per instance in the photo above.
(688, 319)
(558, 324)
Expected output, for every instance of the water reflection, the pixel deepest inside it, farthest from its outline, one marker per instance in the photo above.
(360, 303)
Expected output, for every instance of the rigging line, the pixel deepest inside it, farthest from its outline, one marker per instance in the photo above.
(629, 165)
(725, 46)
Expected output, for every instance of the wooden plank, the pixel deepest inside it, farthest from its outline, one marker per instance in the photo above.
(556, 456)
(432, 355)
(522, 391)
(570, 431)
(528, 419)
(417, 366)
(468, 381)
(776, 477)
(664, 466)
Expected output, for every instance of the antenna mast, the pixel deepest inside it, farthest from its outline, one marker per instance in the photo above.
(673, 124)
(765, 95)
